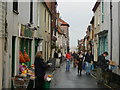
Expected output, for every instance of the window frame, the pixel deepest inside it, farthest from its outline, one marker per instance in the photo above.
(15, 6)
(31, 11)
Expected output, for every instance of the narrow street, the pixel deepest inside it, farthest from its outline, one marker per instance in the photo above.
(36, 36)
(63, 79)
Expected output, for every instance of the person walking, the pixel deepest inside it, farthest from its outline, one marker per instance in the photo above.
(75, 56)
(55, 58)
(79, 63)
(101, 66)
(68, 56)
(40, 69)
(88, 59)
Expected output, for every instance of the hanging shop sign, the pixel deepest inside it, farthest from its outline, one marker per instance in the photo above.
(26, 31)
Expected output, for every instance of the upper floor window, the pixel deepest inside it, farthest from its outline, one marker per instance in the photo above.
(31, 12)
(15, 6)
(45, 18)
(102, 11)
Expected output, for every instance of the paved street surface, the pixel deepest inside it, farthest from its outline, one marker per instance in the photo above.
(63, 79)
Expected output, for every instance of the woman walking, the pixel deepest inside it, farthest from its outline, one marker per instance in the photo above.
(40, 69)
(80, 62)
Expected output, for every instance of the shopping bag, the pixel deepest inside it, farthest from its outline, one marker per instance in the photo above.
(83, 66)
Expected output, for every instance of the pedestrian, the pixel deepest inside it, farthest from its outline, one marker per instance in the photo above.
(101, 67)
(60, 56)
(88, 59)
(55, 54)
(75, 56)
(40, 69)
(57, 64)
(79, 63)
(55, 58)
(68, 56)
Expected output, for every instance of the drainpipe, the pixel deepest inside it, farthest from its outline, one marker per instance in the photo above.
(119, 47)
(111, 29)
(119, 38)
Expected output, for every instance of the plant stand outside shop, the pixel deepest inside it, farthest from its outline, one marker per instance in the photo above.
(20, 82)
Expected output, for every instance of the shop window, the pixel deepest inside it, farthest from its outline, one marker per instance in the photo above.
(25, 45)
(15, 6)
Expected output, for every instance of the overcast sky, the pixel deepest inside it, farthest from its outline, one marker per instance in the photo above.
(78, 15)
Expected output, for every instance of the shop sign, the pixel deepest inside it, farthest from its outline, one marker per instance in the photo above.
(26, 31)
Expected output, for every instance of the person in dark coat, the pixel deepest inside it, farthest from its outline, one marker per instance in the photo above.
(40, 69)
(79, 63)
(55, 54)
(55, 58)
(75, 56)
(102, 65)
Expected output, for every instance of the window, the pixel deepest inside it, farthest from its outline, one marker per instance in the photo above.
(45, 18)
(25, 45)
(48, 21)
(98, 18)
(38, 17)
(31, 12)
(102, 11)
(15, 6)
(95, 21)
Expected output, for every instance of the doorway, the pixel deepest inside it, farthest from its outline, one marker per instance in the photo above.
(13, 59)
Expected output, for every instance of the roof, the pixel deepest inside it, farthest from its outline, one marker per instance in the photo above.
(63, 22)
(96, 5)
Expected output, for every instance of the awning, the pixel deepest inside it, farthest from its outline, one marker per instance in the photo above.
(102, 32)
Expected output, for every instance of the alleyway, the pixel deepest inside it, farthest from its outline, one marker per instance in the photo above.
(63, 79)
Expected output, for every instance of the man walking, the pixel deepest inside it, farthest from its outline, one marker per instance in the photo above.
(88, 59)
(101, 66)
(68, 56)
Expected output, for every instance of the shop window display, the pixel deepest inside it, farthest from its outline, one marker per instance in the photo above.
(26, 75)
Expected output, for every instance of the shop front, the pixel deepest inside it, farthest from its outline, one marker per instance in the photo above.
(26, 39)
(26, 68)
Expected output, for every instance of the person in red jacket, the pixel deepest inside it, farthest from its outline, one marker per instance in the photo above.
(68, 56)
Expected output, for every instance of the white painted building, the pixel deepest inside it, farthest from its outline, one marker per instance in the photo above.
(28, 24)
(110, 23)
(97, 14)
(2, 38)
